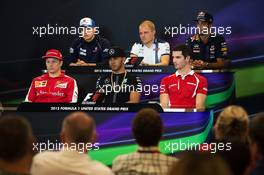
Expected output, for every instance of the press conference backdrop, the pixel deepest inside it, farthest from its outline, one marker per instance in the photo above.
(118, 21)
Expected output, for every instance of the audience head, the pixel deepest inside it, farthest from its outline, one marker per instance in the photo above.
(238, 157)
(232, 124)
(200, 163)
(147, 127)
(16, 144)
(78, 127)
(256, 132)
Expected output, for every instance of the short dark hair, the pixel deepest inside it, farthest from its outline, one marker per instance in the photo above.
(256, 131)
(184, 49)
(15, 137)
(147, 127)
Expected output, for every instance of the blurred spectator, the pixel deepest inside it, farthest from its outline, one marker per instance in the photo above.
(77, 129)
(257, 142)
(16, 145)
(200, 163)
(238, 157)
(147, 129)
(232, 124)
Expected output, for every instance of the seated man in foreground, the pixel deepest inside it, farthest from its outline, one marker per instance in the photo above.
(78, 135)
(185, 88)
(16, 145)
(147, 129)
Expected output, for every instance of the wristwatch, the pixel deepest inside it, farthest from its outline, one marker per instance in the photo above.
(207, 65)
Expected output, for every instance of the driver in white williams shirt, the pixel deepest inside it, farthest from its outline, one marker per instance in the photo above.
(155, 51)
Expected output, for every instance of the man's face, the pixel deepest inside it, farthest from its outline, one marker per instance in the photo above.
(116, 63)
(53, 65)
(88, 33)
(146, 34)
(204, 27)
(179, 60)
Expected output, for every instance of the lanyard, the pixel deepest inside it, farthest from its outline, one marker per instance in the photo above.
(156, 52)
(113, 83)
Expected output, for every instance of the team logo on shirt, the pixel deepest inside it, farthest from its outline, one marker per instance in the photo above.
(60, 84)
(95, 50)
(196, 48)
(71, 50)
(223, 47)
(212, 48)
(82, 52)
(40, 83)
(107, 80)
(111, 52)
(201, 14)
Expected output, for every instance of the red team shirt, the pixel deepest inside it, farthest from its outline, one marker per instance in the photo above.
(182, 90)
(45, 89)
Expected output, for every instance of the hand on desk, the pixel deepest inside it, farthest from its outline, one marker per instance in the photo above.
(82, 63)
(199, 64)
(143, 64)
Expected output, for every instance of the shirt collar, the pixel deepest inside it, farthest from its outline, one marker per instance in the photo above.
(153, 44)
(61, 75)
(74, 153)
(178, 74)
(209, 39)
(148, 148)
(90, 42)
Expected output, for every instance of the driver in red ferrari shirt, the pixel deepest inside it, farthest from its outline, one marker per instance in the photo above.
(53, 86)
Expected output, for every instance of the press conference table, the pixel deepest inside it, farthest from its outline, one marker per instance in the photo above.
(221, 84)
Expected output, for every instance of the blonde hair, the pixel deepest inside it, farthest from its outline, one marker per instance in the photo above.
(148, 23)
(232, 123)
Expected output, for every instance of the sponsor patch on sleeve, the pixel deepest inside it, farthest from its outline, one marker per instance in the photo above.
(61, 85)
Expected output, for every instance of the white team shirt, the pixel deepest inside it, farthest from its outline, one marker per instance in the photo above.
(158, 48)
